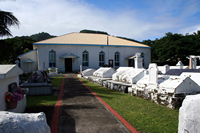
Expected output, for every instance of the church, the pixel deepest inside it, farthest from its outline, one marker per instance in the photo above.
(68, 52)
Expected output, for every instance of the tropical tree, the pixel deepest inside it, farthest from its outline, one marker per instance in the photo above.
(7, 19)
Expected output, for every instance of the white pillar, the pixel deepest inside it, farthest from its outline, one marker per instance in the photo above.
(194, 63)
(180, 64)
(153, 74)
(138, 61)
(166, 68)
(80, 68)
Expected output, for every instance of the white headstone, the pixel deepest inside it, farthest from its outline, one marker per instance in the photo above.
(166, 68)
(180, 64)
(138, 61)
(153, 73)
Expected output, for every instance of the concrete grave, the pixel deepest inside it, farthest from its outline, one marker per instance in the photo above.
(100, 75)
(104, 72)
(128, 75)
(194, 76)
(164, 89)
(88, 72)
(163, 69)
(23, 123)
(189, 118)
(8, 74)
(38, 84)
(124, 78)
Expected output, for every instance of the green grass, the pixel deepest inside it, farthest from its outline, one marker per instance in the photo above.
(35, 101)
(57, 81)
(144, 115)
(44, 103)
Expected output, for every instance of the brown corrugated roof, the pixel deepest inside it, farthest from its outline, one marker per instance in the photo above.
(89, 39)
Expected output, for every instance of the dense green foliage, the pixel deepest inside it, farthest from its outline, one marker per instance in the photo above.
(144, 115)
(93, 31)
(41, 36)
(10, 48)
(167, 50)
(128, 39)
(174, 47)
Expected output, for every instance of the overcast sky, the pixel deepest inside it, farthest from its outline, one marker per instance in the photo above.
(136, 19)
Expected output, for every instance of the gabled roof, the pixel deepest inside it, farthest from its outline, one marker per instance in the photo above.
(7, 71)
(69, 55)
(26, 53)
(90, 40)
(29, 61)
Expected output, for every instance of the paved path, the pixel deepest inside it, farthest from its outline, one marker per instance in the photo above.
(82, 113)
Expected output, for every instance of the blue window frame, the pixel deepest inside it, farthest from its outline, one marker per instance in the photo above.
(117, 59)
(143, 61)
(52, 58)
(85, 60)
(101, 58)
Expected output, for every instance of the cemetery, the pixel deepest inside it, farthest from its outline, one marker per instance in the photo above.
(164, 85)
(39, 83)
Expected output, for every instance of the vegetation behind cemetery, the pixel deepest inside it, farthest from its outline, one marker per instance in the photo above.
(167, 50)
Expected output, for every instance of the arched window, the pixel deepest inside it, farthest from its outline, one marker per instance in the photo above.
(52, 58)
(101, 58)
(143, 61)
(117, 59)
(85, 61)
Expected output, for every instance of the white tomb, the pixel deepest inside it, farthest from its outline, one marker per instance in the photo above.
(23, 122)
(88, 72)
(162, 88)
(194, 76)
(128, 75)
(163, 69)
(8, 75)
(104, 72)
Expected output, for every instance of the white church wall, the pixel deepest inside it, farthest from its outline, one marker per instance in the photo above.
(43, 54)
(32, 66)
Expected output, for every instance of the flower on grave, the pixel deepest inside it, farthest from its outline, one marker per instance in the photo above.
(35, 77)
(13, 96)
(8, 96)
(22, 90)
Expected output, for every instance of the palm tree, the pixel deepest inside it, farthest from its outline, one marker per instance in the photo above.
(7, 19)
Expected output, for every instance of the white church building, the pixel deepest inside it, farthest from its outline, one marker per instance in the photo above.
(68, 52)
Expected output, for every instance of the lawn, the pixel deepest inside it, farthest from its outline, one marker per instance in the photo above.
(144, 115)
(44, 104)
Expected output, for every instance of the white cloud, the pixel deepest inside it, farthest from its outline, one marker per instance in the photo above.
(65, 16)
